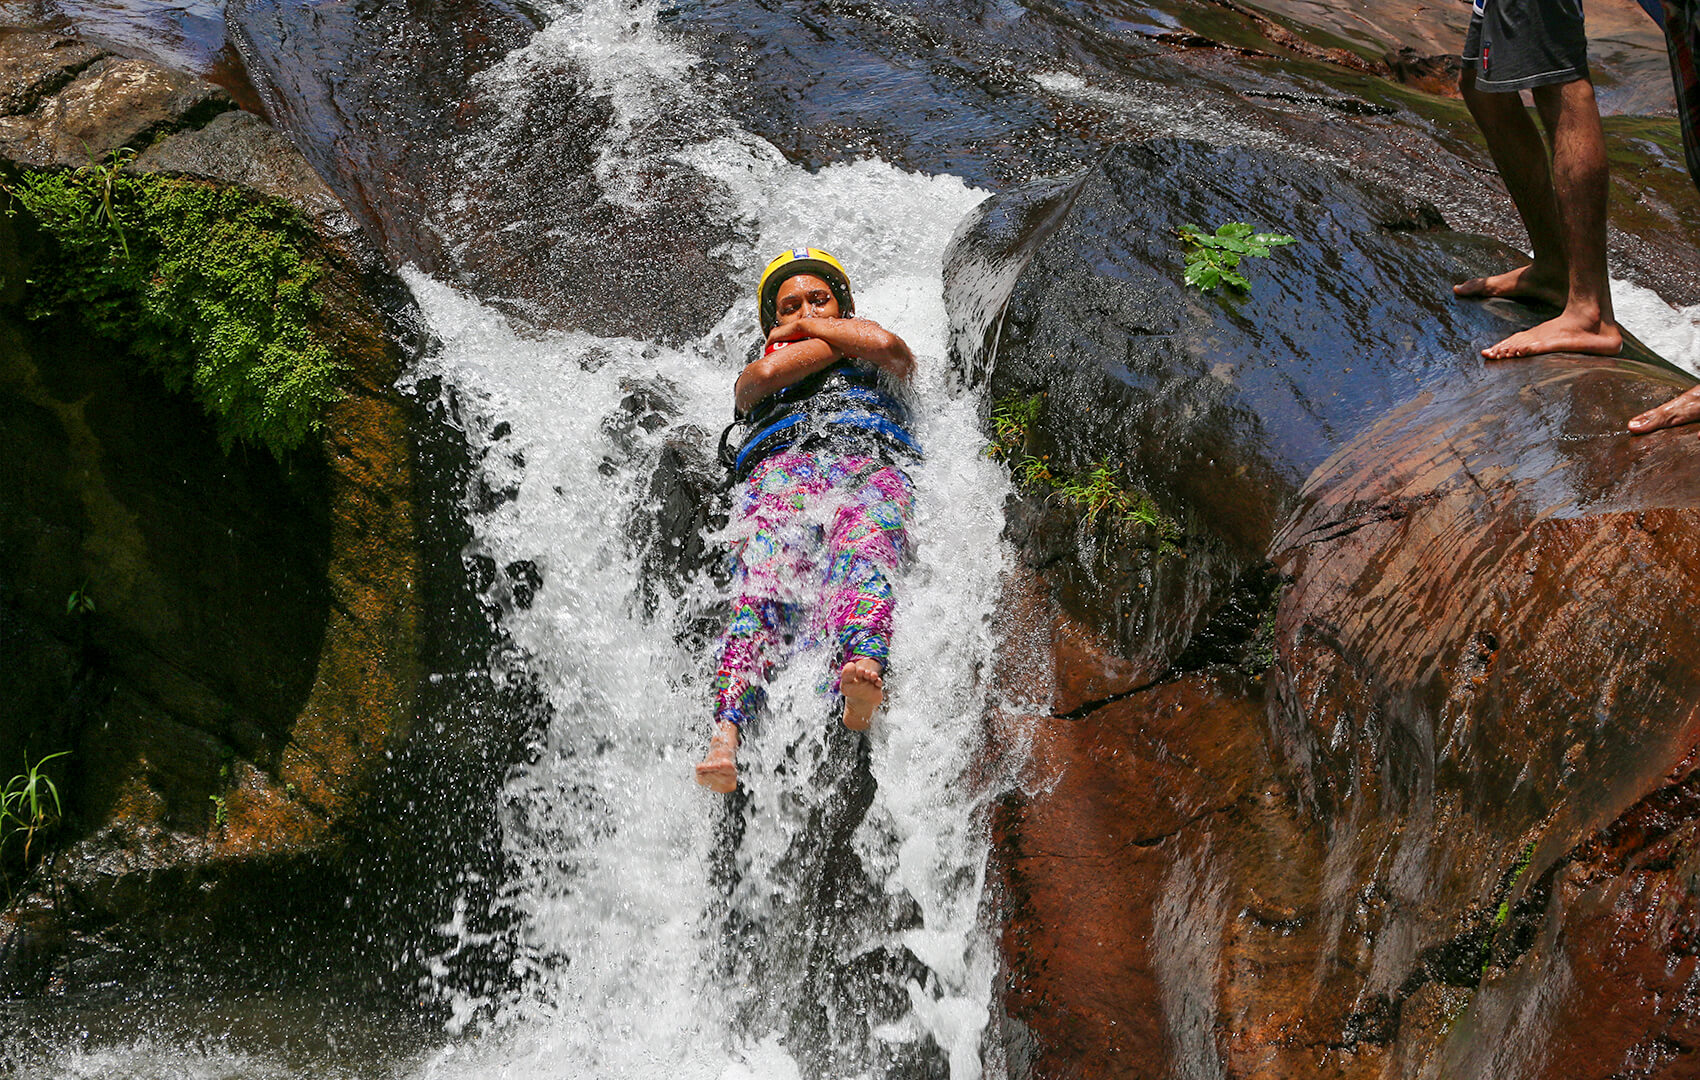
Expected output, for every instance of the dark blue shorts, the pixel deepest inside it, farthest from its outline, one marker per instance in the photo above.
(1522, 44)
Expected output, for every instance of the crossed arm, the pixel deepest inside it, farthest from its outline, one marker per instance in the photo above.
(818, 344)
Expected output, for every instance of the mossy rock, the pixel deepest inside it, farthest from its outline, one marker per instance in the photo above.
(211, 287)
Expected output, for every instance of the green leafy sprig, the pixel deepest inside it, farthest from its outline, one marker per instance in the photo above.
(1097, 492)
(1213, 259)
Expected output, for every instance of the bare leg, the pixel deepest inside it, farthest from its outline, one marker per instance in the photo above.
(1683, 409)
(1521, 157)
(718, 770)
(863, 690)
(1586, 325)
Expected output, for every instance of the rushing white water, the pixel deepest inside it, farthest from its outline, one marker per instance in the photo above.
(627, 877)
(614, 896)
(1673, 333)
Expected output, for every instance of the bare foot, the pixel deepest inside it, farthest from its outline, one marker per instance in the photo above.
(718, 770)
(1566, 333)
(863, 690)
(1682, 409)
(1523, 283)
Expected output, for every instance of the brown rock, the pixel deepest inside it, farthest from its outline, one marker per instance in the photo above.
(253, 660)
(1430, 74)
(112, 103)
(239, 148)
(35, 64)
(1125, 897)
(1452, 829)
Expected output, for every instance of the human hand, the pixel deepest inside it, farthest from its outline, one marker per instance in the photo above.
(1679, 410)
(786, 332)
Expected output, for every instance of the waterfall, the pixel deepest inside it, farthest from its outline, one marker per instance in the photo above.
(660, 929)
(831, 921)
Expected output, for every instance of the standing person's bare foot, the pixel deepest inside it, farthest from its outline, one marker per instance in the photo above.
(863, 690)
(1566, 333)
(1682, 409)
(718, 770)
(1523, 283)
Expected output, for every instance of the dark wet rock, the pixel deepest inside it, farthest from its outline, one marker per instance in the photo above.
(1042, 90)
(252, 662)
(1475, 732)
(114, 102)
(1216, 404)
(439, 160)
(686, 505)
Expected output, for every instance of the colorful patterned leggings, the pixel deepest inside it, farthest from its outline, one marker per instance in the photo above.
(816, 539)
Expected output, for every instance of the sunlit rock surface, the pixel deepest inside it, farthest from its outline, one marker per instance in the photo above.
(1371, 827)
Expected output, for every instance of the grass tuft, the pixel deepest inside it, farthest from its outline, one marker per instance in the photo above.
(1098, 491)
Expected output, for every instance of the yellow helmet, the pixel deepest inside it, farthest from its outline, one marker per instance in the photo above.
(803, 260)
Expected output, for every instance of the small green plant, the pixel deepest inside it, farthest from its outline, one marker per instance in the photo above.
(1012, 419)
(80, 602)
(1262, 656)
(221, 810)
(1098, 491)
(1213, 259)
(1503, 915)
(24, 804)
(101, 178)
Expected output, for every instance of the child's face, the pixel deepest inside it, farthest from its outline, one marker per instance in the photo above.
(804, 296)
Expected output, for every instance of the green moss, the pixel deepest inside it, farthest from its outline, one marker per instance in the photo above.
(211, 288)
(1503, 914)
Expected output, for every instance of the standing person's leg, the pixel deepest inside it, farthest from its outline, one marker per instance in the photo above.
(1540, 46)
(1579, 179)
(1520, 155)
(865, 547)
(771, 558)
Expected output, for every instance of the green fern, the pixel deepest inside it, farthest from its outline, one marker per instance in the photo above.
(24, 804)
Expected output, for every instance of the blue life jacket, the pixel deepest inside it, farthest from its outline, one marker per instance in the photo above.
(841, 406)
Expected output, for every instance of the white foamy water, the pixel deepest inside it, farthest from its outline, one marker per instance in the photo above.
(619, 923)
(627, 880)
(1672, 332)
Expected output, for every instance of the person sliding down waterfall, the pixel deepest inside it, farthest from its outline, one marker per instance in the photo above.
(821, 503)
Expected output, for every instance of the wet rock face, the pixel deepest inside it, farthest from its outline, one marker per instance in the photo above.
(66, 103)
(251, 659)
(1390, 852)
(1001, 93)
(439, 152)
(1217, 404)
(38, 64)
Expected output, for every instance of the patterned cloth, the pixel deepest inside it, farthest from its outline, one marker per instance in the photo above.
(817, 538)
